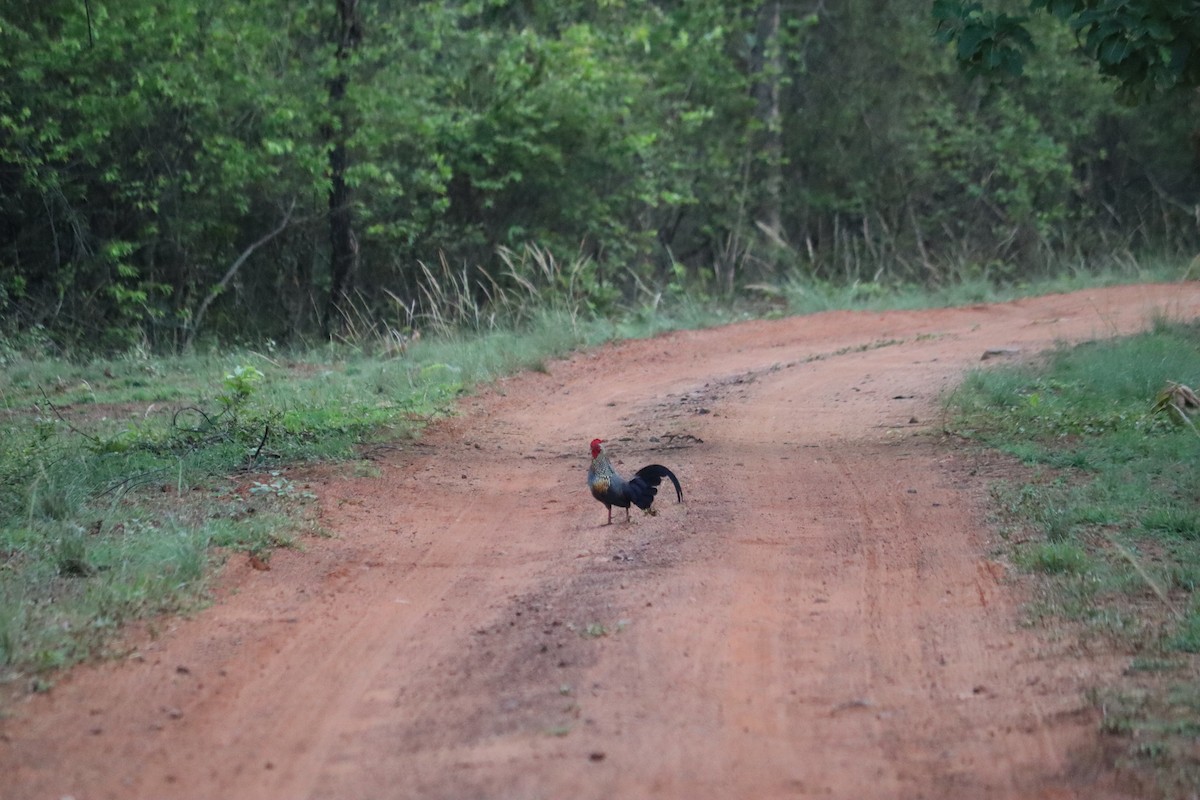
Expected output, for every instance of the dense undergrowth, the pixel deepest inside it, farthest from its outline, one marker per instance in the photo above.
(179, 171)
(1107, 515)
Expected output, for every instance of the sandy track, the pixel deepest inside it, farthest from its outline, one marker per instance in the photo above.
(821, 617)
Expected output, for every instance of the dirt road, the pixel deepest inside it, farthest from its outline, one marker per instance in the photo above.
(822, 616)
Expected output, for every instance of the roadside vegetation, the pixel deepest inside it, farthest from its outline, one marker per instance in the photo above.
(1106, 516)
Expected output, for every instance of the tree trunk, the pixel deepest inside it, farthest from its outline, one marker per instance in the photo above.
(768, 75)
(343, 245)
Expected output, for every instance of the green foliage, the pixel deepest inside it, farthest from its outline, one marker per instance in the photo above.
(117, 130)
(239, 385)
(986, 41)
(166, 174)
(1006, 168)
(1148, 46)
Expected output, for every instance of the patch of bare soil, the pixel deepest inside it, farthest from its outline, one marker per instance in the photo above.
(820, 617)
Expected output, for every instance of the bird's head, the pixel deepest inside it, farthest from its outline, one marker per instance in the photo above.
(597, 447)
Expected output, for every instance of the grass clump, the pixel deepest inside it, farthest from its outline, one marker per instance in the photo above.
(1109, 516)
(1055, 558)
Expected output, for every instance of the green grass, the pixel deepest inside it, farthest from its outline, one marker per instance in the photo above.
(805, 295)
(1108, 518)
(1055, 558)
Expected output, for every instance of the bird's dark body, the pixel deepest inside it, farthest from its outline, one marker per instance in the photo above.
(611, 489)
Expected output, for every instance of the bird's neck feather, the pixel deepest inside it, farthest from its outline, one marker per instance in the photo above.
(601, 463)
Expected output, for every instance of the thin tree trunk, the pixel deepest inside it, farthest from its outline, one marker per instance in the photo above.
(343, 245)
(197, 319)
(768, 75)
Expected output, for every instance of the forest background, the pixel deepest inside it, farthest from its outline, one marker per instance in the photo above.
(174, 173)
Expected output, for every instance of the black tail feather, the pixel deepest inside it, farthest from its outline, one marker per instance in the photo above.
(644, 485)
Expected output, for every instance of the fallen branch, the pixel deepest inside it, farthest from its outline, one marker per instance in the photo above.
(95, 440)
(254, 458)
(1179, 402)
(1145, 576)
(215, 292)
